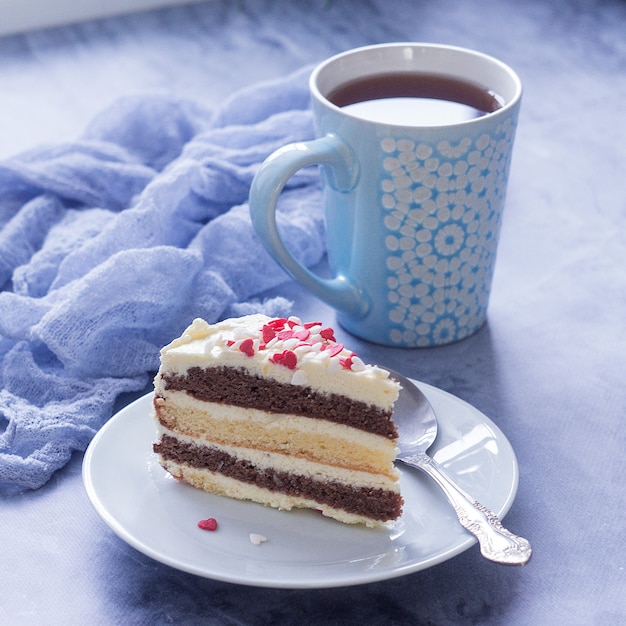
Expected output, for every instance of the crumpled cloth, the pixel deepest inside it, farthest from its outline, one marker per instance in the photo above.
(111, 245)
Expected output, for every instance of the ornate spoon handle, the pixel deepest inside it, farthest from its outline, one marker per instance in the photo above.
(496, 542)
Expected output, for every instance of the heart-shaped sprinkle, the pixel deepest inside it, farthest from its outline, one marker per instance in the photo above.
(278, 323)
(328, 333)
(247, 347)
(286, 358)
(346, 363)
(268, 333)
(208, 524)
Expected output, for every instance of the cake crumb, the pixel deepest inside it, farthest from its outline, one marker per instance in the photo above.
(257, 539)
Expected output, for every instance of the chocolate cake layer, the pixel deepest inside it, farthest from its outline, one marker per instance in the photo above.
(374, 503)
(238, 387)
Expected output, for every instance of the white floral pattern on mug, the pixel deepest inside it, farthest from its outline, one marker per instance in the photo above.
(442, 207)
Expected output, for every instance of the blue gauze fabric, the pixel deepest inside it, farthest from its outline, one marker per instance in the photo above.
(111, 245)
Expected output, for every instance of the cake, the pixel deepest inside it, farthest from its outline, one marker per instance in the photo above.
(276, 411)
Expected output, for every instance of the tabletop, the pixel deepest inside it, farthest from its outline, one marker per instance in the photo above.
(548, 367)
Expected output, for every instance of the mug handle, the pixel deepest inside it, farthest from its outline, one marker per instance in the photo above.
(341, 172)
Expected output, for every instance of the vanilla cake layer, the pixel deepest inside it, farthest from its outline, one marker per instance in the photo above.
(301, 437)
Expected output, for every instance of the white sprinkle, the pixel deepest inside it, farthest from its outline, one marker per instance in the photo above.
(257, 539)
(299, 378)
(295, 320)
(334, 365)
(357, 364)
(302, 350)
(288, 344)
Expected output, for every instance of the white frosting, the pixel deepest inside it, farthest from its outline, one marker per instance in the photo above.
(288, 351)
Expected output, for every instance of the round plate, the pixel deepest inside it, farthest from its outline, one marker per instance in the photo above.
(158, 516)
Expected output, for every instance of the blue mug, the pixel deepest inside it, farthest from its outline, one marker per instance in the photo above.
(413, 206)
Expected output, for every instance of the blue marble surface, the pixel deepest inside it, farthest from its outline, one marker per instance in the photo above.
(548, 368)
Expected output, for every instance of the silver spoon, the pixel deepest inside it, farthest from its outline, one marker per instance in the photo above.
(417, 427)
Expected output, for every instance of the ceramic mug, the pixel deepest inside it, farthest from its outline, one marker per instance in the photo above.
(413, 209)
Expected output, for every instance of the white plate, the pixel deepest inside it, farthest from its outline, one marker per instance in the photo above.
(158, 516)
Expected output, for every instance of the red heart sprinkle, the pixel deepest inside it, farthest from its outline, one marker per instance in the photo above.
(208, 524)
(291, 360)
(278, 323)
(286, 358)
(346, 363)
(328, 333)
(247, 347)
(268, 333)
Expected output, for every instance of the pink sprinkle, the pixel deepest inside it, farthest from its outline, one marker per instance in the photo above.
(283, 335)
(247, 347)
(302, 335)
(328, 333)
(336, 349)
(286, 358)
(208, 524)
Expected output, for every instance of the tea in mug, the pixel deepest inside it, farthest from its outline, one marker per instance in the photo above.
(414, 99)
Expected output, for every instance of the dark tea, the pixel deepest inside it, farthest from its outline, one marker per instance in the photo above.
(415, 99)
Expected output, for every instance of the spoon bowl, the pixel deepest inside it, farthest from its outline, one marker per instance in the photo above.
(415, 418)
(417, 429)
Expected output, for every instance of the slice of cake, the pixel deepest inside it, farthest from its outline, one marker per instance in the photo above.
(276, 411)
